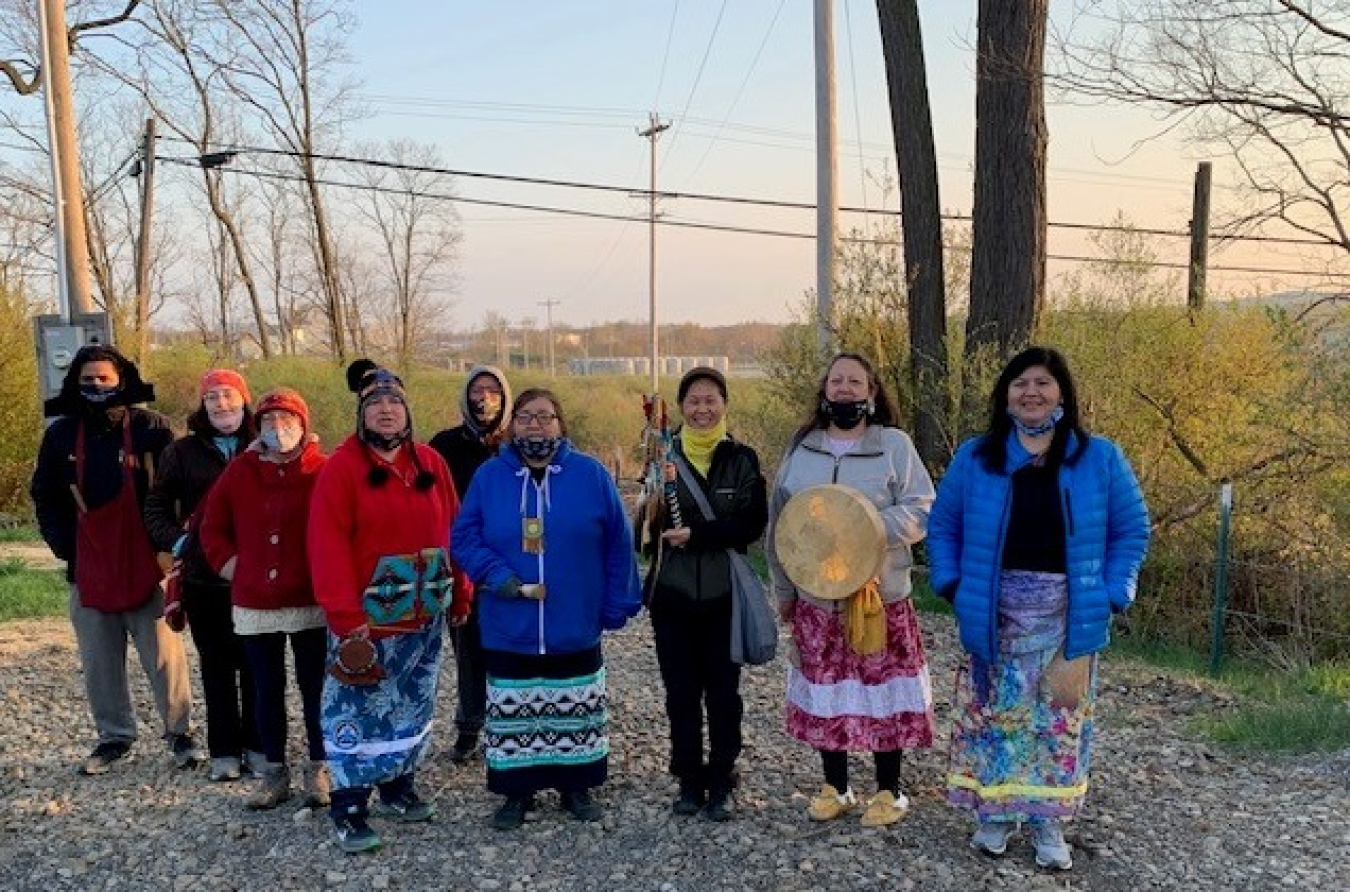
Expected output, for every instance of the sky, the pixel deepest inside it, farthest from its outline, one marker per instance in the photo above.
(560, 91)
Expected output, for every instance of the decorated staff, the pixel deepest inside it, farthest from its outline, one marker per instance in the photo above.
(859, 679)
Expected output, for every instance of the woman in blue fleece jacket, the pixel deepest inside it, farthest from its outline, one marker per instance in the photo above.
(545, 538)
(1036, 538)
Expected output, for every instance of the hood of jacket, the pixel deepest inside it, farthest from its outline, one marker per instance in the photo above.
(69, 401)
(498, 429)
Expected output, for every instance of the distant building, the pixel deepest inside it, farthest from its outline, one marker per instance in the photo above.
(670, 366)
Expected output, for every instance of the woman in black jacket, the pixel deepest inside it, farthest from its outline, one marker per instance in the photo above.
(690, 600)
(221, 427)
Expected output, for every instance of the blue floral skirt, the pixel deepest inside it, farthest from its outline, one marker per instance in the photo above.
(376, 733)
(1022, 731)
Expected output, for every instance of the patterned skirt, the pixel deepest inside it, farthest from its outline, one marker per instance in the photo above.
(1021, 737)
(376, 733)
(840, 700)
(547, 722)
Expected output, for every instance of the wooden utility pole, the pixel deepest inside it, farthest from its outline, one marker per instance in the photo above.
(143, 242)
(1199, 269)
(654, 129)
(68, 191)
(827, 172)
(548, 306)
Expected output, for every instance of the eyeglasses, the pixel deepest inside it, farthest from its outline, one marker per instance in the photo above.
(540, 418)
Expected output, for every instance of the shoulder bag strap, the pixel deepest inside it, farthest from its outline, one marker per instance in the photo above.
(695, 490)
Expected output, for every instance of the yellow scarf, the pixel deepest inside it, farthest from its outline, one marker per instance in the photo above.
(699, 445)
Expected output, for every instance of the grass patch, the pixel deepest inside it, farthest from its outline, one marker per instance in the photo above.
(1305, 711)
(31, 594)
(21, 533)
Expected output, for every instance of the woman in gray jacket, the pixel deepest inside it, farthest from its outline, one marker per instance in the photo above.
(840, 700)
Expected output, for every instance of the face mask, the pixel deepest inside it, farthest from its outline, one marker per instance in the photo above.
(98, 394)
(487, 408)
(846, 415)
(536, 448)
(282, 439)
(227, 422)
(1037, 430)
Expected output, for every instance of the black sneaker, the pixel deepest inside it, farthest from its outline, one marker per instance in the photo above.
(511, 814)
(186, 753)
(101, 759)
(355, 835)
(580, 805)
(465, 750)
(719, 806)
(689, 802)
(407, 808)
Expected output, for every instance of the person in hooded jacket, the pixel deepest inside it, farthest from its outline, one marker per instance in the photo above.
(94, 468)
(379, 536)
(690, 602)
(545, 538)
(482, 406)
(254, 533)
(219, 428)
(1036, 538)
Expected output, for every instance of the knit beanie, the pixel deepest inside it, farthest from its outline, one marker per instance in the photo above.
(368, 381)
(224, 378)
(284, 399)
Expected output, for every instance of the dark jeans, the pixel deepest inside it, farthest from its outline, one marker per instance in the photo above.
(227, 679)
(356, 800)
(470, 676)
(835, 763)
(693, 648)
(267, 656)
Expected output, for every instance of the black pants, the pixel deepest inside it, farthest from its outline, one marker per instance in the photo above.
(227, 679)
(267, 656)
(470, 676)
(693, 648)
(835, 763)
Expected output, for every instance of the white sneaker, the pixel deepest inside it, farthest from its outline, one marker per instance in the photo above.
(992, 836)
(1051, 849)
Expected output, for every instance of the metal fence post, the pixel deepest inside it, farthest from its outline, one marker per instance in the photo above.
(1221, 578)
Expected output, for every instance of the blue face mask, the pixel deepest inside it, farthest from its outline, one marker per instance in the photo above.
(98, 394)
(536, 448)
(1044, 427)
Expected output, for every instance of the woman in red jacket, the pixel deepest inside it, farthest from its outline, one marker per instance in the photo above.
(379, 535)
(254, 535)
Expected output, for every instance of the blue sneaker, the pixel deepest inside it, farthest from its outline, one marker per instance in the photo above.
(407, 808)
(355, 835)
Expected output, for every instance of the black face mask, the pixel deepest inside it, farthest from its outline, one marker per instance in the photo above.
(846, 414)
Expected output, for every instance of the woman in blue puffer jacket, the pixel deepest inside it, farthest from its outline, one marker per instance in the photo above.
(1036, 538)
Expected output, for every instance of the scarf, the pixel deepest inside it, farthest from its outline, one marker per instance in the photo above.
(699, 445)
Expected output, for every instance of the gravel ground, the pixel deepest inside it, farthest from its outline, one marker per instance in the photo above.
(1166, 810)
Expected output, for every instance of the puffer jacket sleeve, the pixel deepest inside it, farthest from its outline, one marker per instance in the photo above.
(946, 526)
(623, 593)
(1127, 531)
(483, 566)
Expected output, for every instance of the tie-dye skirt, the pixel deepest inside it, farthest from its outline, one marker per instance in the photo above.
(376, 733)
(1022, 730)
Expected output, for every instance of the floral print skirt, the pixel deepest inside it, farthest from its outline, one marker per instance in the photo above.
(1022, 731)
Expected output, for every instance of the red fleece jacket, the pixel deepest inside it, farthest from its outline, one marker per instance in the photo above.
(354, 523)
(258, 511)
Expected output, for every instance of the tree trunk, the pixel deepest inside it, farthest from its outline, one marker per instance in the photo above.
(920, 210)
(1007, 274)
(240, 251)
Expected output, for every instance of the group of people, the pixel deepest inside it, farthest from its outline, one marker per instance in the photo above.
(504, 537)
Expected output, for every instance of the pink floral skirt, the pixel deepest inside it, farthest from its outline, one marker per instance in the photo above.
(840, 700)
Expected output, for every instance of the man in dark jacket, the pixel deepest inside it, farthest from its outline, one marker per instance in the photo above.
(93, 470)
(483, 406)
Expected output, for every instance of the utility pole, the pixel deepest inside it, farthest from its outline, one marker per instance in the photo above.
(1199, 269)
(827, 171)
(548, 306)
(68, 192)
(143, 243)
(655, 128)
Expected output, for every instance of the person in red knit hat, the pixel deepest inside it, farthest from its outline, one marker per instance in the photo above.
(254, 534)
(220, 428)
(379, 536)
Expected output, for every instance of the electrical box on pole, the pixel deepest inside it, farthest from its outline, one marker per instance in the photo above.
(59, 339)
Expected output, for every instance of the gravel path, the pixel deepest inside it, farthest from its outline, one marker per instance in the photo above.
(1166, 811)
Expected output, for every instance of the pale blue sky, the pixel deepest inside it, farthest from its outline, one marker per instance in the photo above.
(559, 90)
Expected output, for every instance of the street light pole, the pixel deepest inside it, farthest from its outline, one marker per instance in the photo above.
(654, 129)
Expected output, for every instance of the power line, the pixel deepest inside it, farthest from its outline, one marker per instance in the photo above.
(698, 78)
(665, 58)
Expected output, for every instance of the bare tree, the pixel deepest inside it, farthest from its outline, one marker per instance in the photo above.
(1007, 273)
(1264, 83)
(916, 160)
(409, 209)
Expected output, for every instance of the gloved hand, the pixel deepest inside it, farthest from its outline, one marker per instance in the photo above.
(508, 589)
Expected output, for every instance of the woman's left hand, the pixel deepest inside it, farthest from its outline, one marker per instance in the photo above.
(678, 537)
(458, 620)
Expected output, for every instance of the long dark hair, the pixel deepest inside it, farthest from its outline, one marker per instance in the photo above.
(993, 446)
(883, 411)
